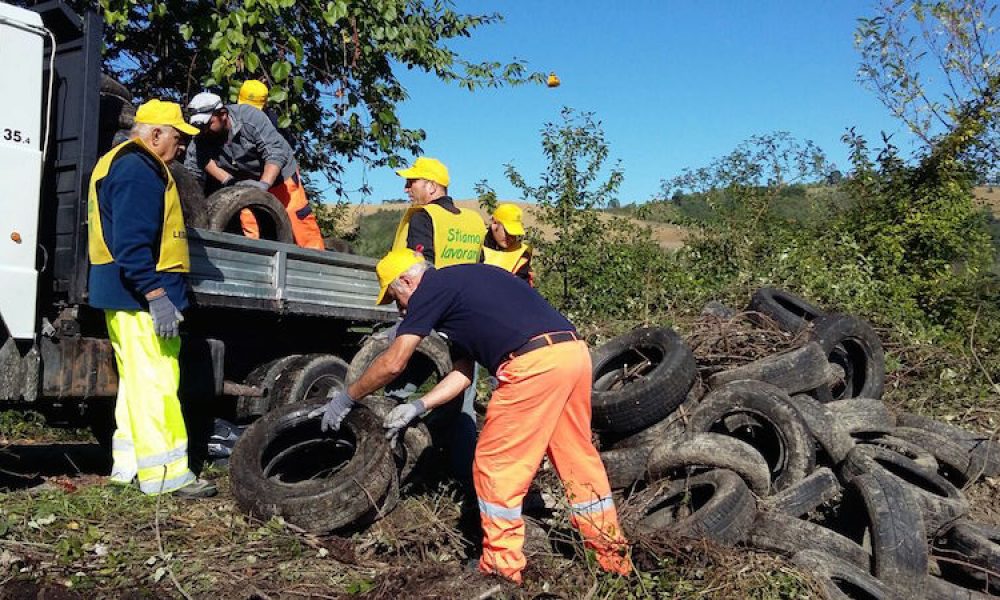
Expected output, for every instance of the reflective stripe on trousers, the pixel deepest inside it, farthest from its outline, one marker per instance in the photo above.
(292, 196)
(150, 439)
(542, 406)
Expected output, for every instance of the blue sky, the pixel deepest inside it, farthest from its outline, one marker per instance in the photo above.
(675, 84)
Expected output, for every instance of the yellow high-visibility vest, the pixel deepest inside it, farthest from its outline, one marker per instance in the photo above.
(457, 238)
(509, 259)
(173, 256)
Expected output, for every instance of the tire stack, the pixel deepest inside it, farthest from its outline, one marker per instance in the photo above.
(796, 453)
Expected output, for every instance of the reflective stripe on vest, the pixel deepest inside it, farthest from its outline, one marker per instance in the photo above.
(457, 238)
(508, 260)
(173, 255)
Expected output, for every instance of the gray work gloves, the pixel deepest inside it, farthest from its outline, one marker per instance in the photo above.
(166, 318)
(388, 334)
(401, 416)
(334, 411)
(260, 185)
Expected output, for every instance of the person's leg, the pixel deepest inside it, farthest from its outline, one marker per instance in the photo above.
(305, 228)
(248, 223)
(124, 468)
(463, 434)
(580, 468)
(150, 371)
(520, 418)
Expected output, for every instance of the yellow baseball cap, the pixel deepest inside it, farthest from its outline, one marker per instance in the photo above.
(158, 112)
(427, 168)
(392, 265)
(509, 215)
(254, 93)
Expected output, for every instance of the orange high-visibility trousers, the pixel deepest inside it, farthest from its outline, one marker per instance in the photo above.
(292, 195)
(542, 406)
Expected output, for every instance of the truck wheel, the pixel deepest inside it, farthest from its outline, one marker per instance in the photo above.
(308, 378)
(283, 465)
(192, 195)
(224, 208)
(264, 376)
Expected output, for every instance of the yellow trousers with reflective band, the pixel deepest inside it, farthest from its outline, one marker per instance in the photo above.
(150, 439)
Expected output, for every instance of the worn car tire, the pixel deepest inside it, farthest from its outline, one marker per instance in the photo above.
(277, 463)
(777, 532)
(414, 451)
(973, 550)
(953, 461)
(665, 370)
(723, 508)
(840, 579)
(797, 370)
(822, 423)
(984, 452)
(938, 588)
(788, 311)
(625, 467)
(264, 376)
(807, 495)
(852, 345)
(671, 428)
(711, 451)
(942, 503)
(224, 208)
(771, 426)
(863, 415)
(900, 446)
(308, 378)
(192, 196)
(431, 359)
(897, 533)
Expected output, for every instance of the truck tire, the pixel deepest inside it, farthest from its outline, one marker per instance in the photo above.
(940, 501)
(639, 379)
(712, 451)
(896, 527)
(283, 465)
(797, 370)
(721, 508)
(193, 203)
(788, 311)
(807, 495)
(852, 345)
(841, 580)
(413, 451)
(224, 208)
(761, 415)
(777, 532)
(264, 376)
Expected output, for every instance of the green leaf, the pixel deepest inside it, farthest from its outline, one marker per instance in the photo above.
(186, 31)
(280, 70)
(284, 121)
(277, 94)
(253, 61)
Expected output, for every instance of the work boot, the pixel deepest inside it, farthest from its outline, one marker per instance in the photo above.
(199, 488)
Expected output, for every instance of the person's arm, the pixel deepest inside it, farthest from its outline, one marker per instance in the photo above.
(273, 149)
(217, 172)
(135, 193)
(271, 174)
(453, 384)
(523, 268)
(388, 366)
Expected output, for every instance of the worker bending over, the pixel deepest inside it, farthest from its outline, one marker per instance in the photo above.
(541, 406)
(504, 246)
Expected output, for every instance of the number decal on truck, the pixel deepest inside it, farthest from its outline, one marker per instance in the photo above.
(14, 135)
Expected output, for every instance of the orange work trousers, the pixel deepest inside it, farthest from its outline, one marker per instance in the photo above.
(542, 406)
(292, 195)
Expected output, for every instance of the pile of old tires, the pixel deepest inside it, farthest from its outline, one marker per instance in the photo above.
(796, 453)
(285, 466)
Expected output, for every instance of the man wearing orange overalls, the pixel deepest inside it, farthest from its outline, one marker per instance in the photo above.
(541, 406)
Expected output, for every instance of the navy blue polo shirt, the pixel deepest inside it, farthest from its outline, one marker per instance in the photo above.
(483, 310)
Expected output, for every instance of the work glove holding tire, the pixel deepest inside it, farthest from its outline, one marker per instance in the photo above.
(253, 183)
(401, 416)
(334, 411)
(166, 318)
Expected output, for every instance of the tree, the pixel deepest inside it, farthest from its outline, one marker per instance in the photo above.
(330, 65)
(572, 187)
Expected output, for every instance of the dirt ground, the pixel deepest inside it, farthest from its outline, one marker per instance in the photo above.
(668, 236)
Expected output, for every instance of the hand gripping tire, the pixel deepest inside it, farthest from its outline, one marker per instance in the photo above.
(807, 495)
(833, 440)
(852, 345)
(284, 466)
(639, 379)
(712, 451)
(414, 451)
(625, 467)
(224, 208)
(777, 532)
(897, 532)
(721, 507)
(797, 370)
(840, 579)
(788, 311)
(941, 502)
(766, 421)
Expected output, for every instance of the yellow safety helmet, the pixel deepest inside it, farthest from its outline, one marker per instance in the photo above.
(392, 265)
(254, 93)
(509, 215)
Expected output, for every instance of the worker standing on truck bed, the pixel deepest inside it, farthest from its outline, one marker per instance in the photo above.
(446, 235)
(238, 145)
(254, 93)
(541, 406)
(139, 254)
(504, 246)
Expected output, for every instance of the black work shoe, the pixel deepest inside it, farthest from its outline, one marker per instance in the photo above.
(199, 488)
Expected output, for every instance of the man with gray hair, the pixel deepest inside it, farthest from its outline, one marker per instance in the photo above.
(138, 253)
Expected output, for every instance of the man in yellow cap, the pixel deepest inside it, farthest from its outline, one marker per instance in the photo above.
(138, 253)
(541, 406)
(504, 247)
(254, 93)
